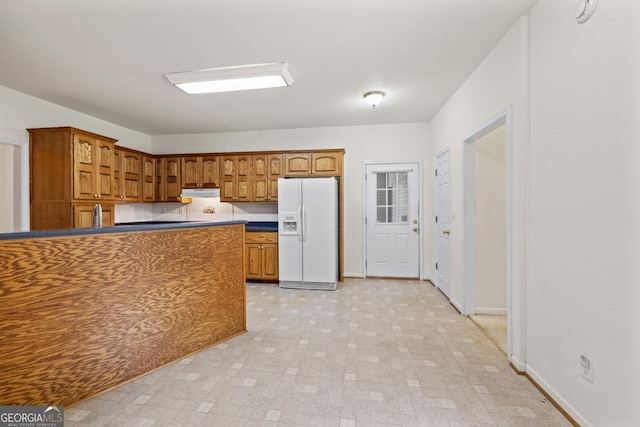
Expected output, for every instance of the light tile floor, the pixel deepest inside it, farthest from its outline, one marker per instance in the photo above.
(372, 353)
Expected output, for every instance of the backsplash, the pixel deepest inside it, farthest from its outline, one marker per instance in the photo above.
(133, 212)
(255, 211)
(201, 209)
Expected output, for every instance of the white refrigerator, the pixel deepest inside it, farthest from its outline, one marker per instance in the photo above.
(308, 233)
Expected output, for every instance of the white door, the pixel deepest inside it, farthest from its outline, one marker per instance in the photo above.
(443, 220)
(393, 231)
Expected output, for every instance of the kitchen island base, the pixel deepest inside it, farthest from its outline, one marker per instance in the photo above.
(81, 314)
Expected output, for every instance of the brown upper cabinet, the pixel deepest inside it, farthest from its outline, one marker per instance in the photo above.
(265, 171)
(117, 172)
(68, 166)
(326, 163)
(200, 172)
(168, 179)
(148, 178)
(128, 175)
(235, 177)
(71, 170)
(93, 176)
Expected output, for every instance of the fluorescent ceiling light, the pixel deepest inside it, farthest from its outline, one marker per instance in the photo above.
(245, 77)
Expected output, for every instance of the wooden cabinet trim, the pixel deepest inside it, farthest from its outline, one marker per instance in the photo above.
(261, 237)
(71, 130)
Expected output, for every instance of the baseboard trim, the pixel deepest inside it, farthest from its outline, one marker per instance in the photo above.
(361, 276)
(552, 396)
(353, 275)
(517, 365)
(492, 311)
(455, 305)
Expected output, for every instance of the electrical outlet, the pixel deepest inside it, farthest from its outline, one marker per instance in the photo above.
(181, 210)
(585, 364)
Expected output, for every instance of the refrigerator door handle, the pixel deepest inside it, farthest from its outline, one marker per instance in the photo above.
(304, 223)
(300, 224)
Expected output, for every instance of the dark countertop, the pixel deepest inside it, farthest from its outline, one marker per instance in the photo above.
(118, 229)
(262, 226)
(250, 226)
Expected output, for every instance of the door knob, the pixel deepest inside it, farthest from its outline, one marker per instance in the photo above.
(445, 232)
(415, 229)
(415, 221)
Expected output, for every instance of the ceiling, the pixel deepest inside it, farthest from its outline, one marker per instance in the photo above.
(107, 58)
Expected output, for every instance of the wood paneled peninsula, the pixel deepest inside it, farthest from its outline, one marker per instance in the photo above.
(85, 310)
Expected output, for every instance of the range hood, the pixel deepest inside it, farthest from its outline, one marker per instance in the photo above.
(200, 192)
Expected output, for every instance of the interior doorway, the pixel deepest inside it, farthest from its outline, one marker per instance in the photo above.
(490, 312)
(491, 223)
(487, 256)
(14, 185)
(12, 180)
(392, 220)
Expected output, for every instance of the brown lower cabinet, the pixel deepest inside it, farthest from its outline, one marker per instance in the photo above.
(67, 215)
(83, 215)
(261, 254)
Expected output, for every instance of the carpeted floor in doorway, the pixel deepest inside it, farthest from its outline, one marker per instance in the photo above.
(494, 327)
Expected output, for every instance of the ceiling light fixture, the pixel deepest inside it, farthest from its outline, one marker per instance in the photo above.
(585, 9)
(244, 77)
(374, 98)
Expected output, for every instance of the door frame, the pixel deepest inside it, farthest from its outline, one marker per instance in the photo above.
(21, 218)
(503, 117)
(418, 164)
(435, 212)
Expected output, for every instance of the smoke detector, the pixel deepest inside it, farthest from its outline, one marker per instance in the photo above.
(585, 9)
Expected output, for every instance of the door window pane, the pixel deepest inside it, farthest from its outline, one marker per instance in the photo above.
(392, 197)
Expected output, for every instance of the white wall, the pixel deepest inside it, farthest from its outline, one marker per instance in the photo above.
(501, 80)
(491, 223)
(19, 111)
(575, 94)
(585, 207)
(403, 142)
